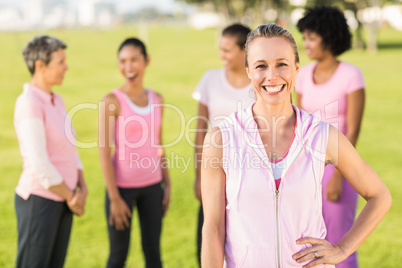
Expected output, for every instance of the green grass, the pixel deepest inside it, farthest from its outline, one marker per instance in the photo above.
(179, 57)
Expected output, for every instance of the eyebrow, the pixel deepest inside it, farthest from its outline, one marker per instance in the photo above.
(263, 61)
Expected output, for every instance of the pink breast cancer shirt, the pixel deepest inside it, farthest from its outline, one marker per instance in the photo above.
(221, 98)
(46, 140)
(137, 159)
(328, 100)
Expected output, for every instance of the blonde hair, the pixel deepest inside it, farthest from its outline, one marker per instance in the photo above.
(271, 30)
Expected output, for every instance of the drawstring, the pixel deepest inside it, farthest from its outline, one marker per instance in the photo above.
(316, 179)
(229, 205)
(237, 191)
(317, 185)
(303, 145)
(309, 150)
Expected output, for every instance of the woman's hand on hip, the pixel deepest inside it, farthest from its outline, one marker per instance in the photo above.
(321, 252)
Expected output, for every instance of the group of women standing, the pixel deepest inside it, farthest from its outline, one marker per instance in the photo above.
(296, 208)
(52, 188)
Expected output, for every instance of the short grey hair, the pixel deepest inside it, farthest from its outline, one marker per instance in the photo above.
(41, 48)
(272, 30)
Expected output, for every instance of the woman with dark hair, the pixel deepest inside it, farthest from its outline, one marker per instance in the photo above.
(135, 174)
(334, 90)
(51, 187)
(219, 93)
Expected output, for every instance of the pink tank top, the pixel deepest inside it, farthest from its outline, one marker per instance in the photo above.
(137, 158)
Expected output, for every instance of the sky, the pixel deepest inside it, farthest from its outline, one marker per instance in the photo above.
(164, 5)
(122, 5)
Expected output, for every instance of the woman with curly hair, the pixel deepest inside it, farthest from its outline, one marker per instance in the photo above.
(334, 90)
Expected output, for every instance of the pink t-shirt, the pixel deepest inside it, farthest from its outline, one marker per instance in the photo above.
(137, 158)
(221, 98)
(328, 100)
(44, 116)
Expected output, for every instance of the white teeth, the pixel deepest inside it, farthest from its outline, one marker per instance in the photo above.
(130, 75)
(273, 89)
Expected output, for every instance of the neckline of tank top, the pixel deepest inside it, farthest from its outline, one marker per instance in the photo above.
(229, 86)
(136, 108)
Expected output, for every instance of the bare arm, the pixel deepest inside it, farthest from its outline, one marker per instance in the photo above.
(213, 199)
(164, 166)
(202, 127)
(354, 114)
(119, 211)
(342, 155)
(366, 182)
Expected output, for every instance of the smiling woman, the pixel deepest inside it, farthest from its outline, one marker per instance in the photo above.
(273, 76)
(131, 119)
(262, 201)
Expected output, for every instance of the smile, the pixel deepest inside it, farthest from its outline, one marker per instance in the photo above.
(131, 75)
(271, 89)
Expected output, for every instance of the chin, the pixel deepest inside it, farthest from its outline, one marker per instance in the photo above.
(58, 82)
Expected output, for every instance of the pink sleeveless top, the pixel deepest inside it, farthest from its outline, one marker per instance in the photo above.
(136, 159)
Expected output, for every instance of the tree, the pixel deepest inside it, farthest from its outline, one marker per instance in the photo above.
(235, 10)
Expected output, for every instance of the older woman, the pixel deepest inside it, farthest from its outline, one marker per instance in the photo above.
(262, 171)
(51, 187)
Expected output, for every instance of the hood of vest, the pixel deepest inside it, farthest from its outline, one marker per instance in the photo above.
(244, 124)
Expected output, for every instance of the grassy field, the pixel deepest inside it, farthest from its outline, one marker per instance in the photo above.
(179, 56)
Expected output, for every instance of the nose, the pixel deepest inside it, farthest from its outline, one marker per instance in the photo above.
(271, 73)
(305, 44)
(127, 67)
